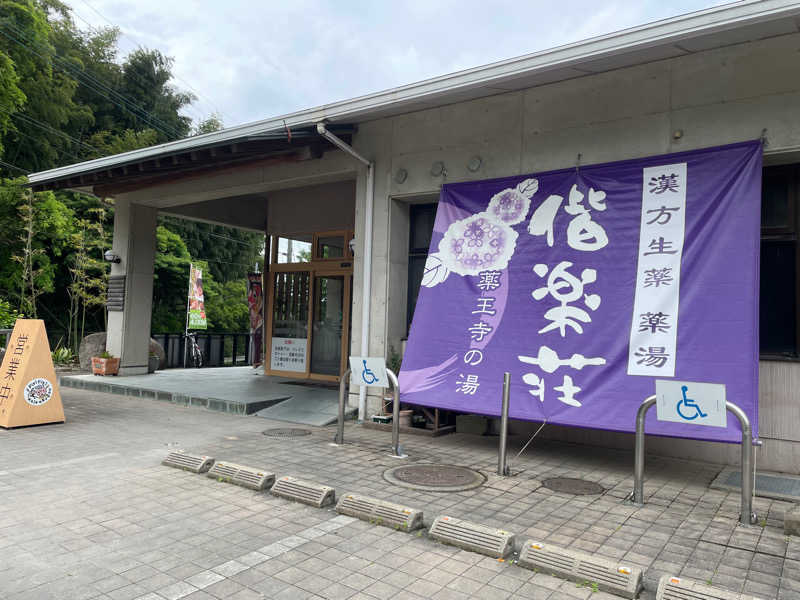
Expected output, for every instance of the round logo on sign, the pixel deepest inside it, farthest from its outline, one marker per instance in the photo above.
(38, 391)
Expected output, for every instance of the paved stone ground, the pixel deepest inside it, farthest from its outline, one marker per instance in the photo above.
(87, 511)
(240, 390)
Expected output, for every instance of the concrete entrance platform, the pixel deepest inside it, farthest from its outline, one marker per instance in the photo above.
(238, 390)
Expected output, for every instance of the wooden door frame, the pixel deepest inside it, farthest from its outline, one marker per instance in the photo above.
(316, 267)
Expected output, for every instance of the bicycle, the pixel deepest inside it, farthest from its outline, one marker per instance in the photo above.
(193, 350)
(689, 403)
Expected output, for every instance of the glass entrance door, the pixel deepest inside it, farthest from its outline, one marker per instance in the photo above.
(327, 324)
(309, 310)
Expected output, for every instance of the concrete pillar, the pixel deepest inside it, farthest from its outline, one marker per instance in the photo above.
(134, 243)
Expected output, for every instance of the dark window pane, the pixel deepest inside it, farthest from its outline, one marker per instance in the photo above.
(778, 324)
(775, 209)
(331, 246)
(422, 217)
(416, 267)
(290, 305)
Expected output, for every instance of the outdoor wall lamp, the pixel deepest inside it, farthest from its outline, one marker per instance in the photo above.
(109, 256)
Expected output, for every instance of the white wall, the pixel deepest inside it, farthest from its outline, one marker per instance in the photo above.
(710, 98)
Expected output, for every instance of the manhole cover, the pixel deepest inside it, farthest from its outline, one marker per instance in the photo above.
(286, 432)
(434, 478)
(570, 485)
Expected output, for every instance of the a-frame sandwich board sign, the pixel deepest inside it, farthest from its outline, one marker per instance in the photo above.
(29, 392)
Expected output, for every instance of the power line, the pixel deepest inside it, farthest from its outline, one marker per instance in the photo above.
(46, 127)
(213, 260)
(230, 239)
(138, 43)
(10, 166)
(97, 31)
(96, 85)
(30, 137)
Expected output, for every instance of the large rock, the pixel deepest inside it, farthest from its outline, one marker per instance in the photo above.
(95, 344)
(158, 350)
(791, 521)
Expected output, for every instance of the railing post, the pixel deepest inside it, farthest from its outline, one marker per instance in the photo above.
(235, 344)
(638, 466)
(339, 439)
(746, 517)
(397, 451)
(502, 466)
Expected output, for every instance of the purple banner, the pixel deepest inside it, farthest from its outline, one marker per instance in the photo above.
(590, 284)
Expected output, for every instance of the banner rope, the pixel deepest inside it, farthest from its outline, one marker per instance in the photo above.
(530, 440)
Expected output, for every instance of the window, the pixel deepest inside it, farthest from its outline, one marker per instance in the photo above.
(778, 295)
(295, 249)
(421, 218)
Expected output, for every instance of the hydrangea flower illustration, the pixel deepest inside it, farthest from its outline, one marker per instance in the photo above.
(512, 204)
(477, 243)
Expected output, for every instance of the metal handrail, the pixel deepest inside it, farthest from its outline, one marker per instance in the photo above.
(339, 439)
(397, 450)
(746, 516)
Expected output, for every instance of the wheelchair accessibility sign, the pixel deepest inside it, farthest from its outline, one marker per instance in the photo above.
(691, 402)
(368, 371)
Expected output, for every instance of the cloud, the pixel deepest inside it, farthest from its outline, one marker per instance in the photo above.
(251, 61)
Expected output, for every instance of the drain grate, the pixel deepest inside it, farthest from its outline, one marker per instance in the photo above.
(571, 485)
(434, 478)
(286, 432)
(768, 485)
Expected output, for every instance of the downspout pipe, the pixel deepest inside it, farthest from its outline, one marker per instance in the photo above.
(366, 297)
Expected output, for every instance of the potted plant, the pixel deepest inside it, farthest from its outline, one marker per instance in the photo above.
(105, 364)
(153, 362)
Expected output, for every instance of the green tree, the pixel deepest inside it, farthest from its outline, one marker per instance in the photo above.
(45, 79)
(88, 271)
(170, 282)
(226, 305)
(145, 81)
(11, 96)
(34, 237)
(209, 125)
(231, 253)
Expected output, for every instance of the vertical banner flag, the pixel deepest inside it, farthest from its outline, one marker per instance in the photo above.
(255, 301)
(588, 284)
(197, 308)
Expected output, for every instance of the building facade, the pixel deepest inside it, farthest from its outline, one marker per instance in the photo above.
(711, 78)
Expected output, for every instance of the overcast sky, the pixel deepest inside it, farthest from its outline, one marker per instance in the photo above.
(251, 60)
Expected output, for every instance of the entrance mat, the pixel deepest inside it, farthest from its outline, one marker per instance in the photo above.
(768, 485)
